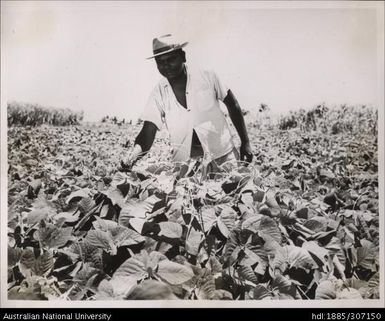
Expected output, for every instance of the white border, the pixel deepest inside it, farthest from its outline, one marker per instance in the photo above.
(4, 302)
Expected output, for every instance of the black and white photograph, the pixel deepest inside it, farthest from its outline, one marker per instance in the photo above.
(192, 154)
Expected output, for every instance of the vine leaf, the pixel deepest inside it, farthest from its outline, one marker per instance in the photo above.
(193, 241)
(171, 230)
(366, 255)
(349, 294)
(78, 195)
(101, 240)
(54, 237)
(260, 292)
(292, 256)
(14, 255)
(43, 264)
(208, 217)
(174, 273)
(325, 291)
(35, 216)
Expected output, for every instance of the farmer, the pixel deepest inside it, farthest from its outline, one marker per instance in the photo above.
(186, 102)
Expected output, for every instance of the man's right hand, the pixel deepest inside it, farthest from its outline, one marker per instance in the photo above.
(127, 163)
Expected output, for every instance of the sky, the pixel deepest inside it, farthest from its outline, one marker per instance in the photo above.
(91, 55)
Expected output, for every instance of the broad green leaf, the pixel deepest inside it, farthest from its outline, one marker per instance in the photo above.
(206, 286)
(372, 291)
(54, 237)
(132, 267)
(101, 240)
(316, 224)
(366, 255)
(121, 236)
(43, 264)
(223, 228)
(222, 295)
(165, 182)
(36, 216)
(105, 291)
(171, 230)
(27, 258)
(78, 195)
(137, 224)
(151, 290)
(123, 285)
(174, 273)
(349, 294)
(247, 199)
(85, 273)
(104, 211)
(326, 173)
(133, 209)
(268, 227)
(14, 255)
(319, 253)
(153, 259)
(292, 256)
(18, 293)
(136, 209)
(247, 273)
(270, 199)
(355, 283)
(86, 204)
(252, 223)
(67, 217)
(209, 217)
(89, 253)
(175, 210)
(193, 241)
(228, 216)
(36, 184)
(116, 197)
(284, 285)
(263, 225)
(325, 291)
(122, 178)
(374, 281)
(260, 292)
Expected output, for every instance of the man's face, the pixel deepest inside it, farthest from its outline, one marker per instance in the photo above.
(170, 65)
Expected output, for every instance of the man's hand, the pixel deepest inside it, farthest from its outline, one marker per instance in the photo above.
(236, 116)
(127, 163)
(246, 154)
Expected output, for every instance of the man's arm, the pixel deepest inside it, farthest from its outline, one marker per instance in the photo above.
(235, 113)
(142, 145)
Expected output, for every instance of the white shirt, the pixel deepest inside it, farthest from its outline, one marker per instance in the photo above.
(203, 113)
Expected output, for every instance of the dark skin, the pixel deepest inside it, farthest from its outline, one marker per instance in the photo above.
(171, 66)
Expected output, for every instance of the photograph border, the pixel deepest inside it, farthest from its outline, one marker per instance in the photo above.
(5, 303)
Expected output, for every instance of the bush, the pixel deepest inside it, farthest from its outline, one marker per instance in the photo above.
(332, 120)
(25, 114)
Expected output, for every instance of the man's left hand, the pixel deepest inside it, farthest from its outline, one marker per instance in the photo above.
(246, 154)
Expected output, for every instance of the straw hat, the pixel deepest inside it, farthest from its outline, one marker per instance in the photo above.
(165, 44)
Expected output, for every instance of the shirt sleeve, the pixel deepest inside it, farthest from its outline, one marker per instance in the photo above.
(153, 109)
(220, 88)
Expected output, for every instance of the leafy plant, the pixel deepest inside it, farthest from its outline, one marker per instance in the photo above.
(301, 222)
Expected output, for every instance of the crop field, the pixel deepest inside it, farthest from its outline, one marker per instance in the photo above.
(301, 222)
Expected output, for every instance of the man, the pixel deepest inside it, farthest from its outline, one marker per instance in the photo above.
(186, 102)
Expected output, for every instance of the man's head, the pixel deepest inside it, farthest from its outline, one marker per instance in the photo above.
(171, 65)
(169, 56)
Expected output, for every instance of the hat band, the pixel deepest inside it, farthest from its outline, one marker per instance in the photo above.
(165, 48)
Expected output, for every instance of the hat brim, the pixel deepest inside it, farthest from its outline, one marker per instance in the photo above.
(168, 51)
